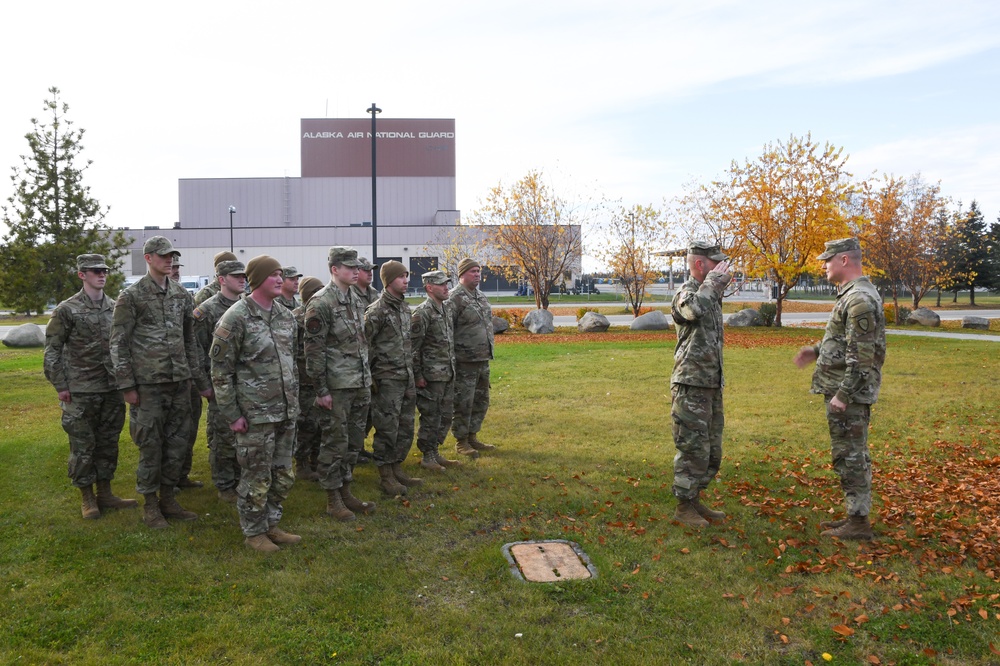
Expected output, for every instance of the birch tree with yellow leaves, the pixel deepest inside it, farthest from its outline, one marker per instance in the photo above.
(633, 237)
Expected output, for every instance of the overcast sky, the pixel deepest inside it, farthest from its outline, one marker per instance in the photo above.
(628, 99)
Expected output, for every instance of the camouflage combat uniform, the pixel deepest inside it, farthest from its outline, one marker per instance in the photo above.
(394, 398)
(368, 295)
(849, 366)
(154, 352)
(196, 409)
(221, 440)
(255, 377)
(78, 360)
(472, 320)
(696, 384)
(433, 342)
(290, 303)
(308, 431)
(336, 354)
(206, 292)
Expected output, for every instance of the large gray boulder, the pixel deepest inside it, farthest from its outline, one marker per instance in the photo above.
(924, 317)
(539, 322)
(977, 323)
(748, 317)
(651, 321)
(25, 335)
(499, 325)
(593, 322)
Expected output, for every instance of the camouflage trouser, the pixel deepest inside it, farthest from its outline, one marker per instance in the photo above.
(307, 429)
(851, 460)
(472, 398)
(697, 428)
(264, 452)
(343, 436)
(221, 449)
(93, 422)
(392, 415)
(436, 403)
(159, 427)
(193, 435)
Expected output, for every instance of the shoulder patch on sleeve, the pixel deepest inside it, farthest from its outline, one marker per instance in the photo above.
(197, 313)
(223, 333)
(313, 325)
(217, 350)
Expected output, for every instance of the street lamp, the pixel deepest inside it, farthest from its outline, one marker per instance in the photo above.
(232, 211)
(374, 110)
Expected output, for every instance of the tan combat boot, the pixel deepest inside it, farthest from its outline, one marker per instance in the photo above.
(170, 508)
(429, 461)
(88, 507)
(444, 462)
(403, 477)
(277, 535)
(687, 514)
(151, 512)
(705, 512)
(477, 445)
(353, 503)
(857, 528)
(261, 544)
(388, 482)
(107, 499)
(463, 447)
(335, 507)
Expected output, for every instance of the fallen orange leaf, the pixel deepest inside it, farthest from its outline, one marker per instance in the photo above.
(843, 630)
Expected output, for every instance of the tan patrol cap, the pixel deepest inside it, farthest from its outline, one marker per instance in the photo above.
(835, 247)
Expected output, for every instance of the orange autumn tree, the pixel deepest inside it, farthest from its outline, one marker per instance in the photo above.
(782, 207)
(632, 238)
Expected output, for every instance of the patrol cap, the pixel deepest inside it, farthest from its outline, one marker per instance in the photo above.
(435, 277)
(704, 248)
(85, 261)
(835, 247)
(347, 256)
(231, 267)
(160, 245)
(366, 265)
(290, 272)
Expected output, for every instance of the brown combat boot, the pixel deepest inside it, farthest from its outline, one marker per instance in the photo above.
(705, 512)
(429, 461)
(305, 472)
(170, 508)
(261, 544)
(277, 535)
(388, 482)
(151, 512)
(463, 447)
(444, 462)
(857, 528)
(107, 499)
(189, 483)
(403, 477)
(833, 524)
(477, 445)
(89, 508)
(228, 495)
(335, 507)
(687, 514)
(353, 503)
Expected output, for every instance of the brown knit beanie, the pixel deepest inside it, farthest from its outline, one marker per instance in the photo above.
(225, 255)
(259, 268)
(467, 264)
(308, 288)
(391, 270)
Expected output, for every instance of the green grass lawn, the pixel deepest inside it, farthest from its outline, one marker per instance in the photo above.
(585, 454)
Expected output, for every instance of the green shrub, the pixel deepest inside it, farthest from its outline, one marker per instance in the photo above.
(582, 311)
(513, 316)
(768, 311)
(890, 314)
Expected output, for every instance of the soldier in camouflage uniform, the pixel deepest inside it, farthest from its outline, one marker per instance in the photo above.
(368, 295)
(394, 397)
(336, 354)
(78, 364)
(222, 458)
(257, 392)
(307, 430)
(186, 481)
(433, 343)
(155, 354)
(212, 288)
(472, 320)
(697, 381)
(289, 287)
(849, 375)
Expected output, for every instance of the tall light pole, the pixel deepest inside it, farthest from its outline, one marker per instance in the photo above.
(374, 110)
(232, 211)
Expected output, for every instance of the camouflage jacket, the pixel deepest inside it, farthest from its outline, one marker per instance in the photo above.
(253, 364)
(206, 292)
(334, 343)
(305, 382)
(433, 342)
(368, 295)
(206, 318)
(850, 357)
(152, 339)
(77, 345)
(697, 314)
(472, 320)
(290, 303)
(387, 328)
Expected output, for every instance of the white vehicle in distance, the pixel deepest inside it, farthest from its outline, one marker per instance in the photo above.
(194, 282)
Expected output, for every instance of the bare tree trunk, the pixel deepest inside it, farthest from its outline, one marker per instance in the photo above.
(972, 296)
(939, 298)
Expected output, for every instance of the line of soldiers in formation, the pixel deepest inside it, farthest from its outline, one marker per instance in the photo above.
(287, 381)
